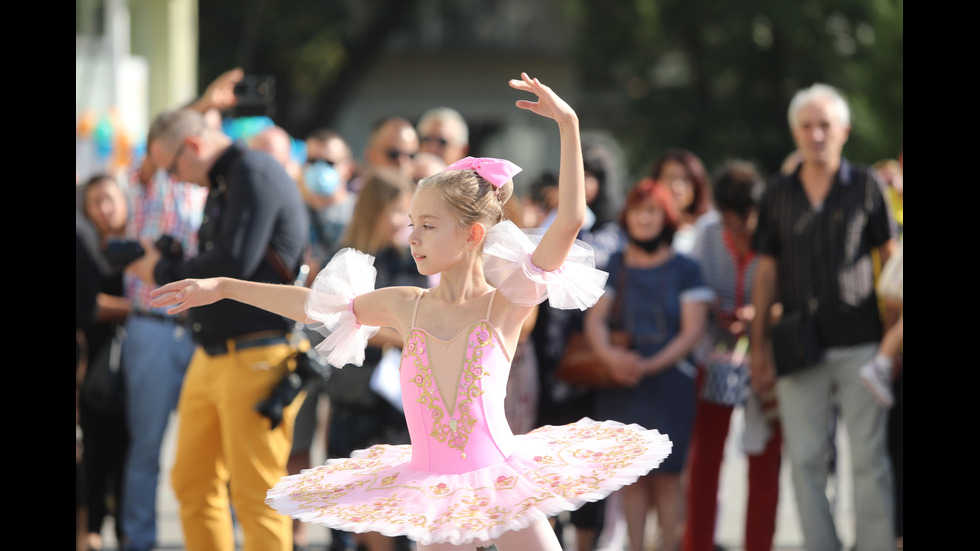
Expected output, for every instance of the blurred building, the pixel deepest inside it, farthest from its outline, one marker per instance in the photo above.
(131, 60)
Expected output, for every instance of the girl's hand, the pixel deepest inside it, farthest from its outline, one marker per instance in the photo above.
(548, 104)
(186, 294)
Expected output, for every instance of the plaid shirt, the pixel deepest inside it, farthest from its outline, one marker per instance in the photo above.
(162, 207)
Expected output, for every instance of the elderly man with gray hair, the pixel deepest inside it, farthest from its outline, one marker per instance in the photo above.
(817, 228)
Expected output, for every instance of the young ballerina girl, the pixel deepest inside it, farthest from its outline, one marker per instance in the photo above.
(466, 480)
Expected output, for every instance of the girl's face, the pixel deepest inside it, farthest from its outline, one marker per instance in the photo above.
(436, 240)
(591, 187)
(645, 220)
(675, 175)
(394, 220)
(105, 205)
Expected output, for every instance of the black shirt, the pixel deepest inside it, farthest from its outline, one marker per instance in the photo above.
(825, 251)
(88, 271)
(252, 204)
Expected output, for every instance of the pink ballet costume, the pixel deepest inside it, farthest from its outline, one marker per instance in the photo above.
(466, 478)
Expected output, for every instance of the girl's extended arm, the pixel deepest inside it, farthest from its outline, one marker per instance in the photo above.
(379, 308)
(557, 240)
(285, 300)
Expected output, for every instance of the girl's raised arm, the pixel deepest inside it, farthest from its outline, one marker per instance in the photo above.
(557, 240)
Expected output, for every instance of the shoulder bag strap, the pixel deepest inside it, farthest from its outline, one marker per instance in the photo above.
(277, 263)
(617, 308)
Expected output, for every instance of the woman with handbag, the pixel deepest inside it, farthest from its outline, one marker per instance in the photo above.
(724, 252)
(664, 309)
(100, 406)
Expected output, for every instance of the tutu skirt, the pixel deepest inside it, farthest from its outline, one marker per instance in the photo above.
(556, 468)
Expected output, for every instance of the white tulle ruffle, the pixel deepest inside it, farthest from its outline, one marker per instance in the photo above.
(508, 267)
(348, 274)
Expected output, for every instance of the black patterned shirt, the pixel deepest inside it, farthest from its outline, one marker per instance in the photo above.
(824, 251)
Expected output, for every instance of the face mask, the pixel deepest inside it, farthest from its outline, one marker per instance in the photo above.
(320, 178)
(649, 245)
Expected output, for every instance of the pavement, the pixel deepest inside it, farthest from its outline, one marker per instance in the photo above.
(729, 533)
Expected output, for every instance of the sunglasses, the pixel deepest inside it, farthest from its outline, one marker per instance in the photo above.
(443, 142)
(313, 161)
(396, 155)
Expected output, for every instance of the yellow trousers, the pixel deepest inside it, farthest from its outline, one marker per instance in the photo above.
(224, 446)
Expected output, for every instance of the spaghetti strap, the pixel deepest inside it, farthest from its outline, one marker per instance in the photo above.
(490, 306)
(418, 301)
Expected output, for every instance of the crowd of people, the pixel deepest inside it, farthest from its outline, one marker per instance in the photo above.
(710, 273)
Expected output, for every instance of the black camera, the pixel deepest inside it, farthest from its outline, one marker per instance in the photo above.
(309, 368)
(169, 247)
(256, 97)
(121, 252)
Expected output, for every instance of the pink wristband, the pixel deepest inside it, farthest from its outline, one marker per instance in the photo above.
(541, 271)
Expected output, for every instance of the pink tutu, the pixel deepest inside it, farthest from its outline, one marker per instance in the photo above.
(555, 468)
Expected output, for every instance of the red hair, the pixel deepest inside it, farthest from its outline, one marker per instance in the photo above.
(653, 190)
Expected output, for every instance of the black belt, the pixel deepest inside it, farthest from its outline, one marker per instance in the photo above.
(159, 317)
(252, 340)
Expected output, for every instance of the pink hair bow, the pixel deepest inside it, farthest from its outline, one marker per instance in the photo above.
(495, 171)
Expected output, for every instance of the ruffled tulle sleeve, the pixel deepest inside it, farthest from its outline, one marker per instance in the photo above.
(348, 274)
(508, 267)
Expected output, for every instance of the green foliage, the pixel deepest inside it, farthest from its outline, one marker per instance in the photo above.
(713, 76)
(716, 76)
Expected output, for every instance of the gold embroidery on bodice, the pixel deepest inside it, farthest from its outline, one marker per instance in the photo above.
(452, 418)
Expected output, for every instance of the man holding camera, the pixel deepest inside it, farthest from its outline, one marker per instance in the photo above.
(254, 227)
(157, 348)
